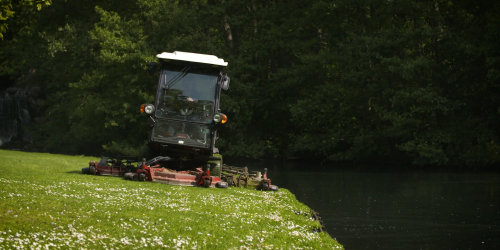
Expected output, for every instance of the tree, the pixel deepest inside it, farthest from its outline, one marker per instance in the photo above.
(406, 78)
(7, 11)
(374, 80)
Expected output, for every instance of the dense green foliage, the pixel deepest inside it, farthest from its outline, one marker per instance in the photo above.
(338, 80)
(7, 11)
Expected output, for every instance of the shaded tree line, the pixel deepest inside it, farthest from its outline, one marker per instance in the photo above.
(372, 80)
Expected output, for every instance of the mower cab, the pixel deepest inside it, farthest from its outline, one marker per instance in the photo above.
(186, 112)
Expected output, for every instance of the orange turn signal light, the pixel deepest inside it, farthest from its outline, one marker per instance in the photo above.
(224, 119)
(142, 108)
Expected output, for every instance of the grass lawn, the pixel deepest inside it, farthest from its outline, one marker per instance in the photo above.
(45, 202)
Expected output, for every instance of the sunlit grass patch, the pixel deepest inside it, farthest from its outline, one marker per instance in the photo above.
(46, 202)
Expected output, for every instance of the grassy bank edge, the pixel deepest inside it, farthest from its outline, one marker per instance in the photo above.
(46, 201)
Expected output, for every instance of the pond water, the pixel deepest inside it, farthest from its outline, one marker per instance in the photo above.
(398, 208)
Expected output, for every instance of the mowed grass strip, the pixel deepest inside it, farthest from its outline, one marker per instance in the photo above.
(46, 203)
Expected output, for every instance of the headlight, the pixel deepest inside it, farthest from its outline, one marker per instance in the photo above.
(217, 118)
(147, 108)
(222, 118)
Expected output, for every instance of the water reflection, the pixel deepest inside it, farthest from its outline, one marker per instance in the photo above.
(399, 209)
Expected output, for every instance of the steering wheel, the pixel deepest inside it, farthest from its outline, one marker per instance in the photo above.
(201, 103)
(186, 111)
(187, 106)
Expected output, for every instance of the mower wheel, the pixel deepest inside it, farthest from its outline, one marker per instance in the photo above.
(273, 188)
(221, 184)
(142, 177)
(128, 176)
(206, 182)
(92, 170)
(85, 170)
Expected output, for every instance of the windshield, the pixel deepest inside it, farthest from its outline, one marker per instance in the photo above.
(182, 133)
(187, 94)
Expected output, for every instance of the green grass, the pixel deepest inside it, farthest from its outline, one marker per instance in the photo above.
(45, 201)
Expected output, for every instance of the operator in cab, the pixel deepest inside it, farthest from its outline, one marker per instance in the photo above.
(189, 90)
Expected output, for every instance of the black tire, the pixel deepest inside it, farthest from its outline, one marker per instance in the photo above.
(142, 177)
(85, 170)
(221, 184)
(128, 176)
(206, 182)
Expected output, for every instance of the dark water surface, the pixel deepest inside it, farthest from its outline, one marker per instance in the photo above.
(373, 208)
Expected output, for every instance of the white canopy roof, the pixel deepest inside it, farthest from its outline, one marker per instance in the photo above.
(192, 57)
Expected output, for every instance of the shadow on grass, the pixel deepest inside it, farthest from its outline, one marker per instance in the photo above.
(74, 172)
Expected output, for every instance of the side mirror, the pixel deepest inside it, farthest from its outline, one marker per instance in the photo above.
(224, 84)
